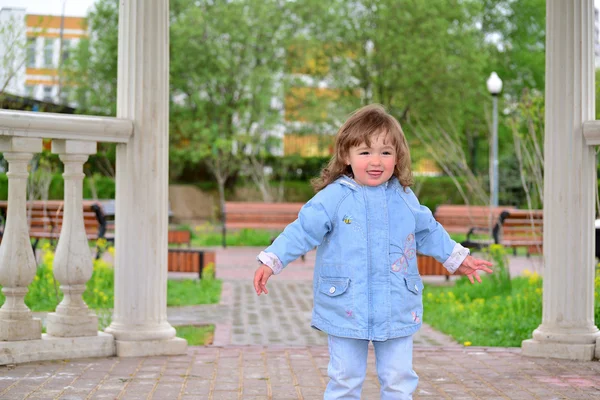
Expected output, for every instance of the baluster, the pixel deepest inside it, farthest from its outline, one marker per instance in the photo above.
(17, 261)
(73, 265)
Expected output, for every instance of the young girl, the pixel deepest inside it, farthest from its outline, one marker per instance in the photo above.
(368, 226)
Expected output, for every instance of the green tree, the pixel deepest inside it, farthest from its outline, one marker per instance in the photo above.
(92, 67)
(227, 62)
(516, 34)
(12, 45)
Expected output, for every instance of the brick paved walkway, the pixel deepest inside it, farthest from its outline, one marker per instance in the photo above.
(282, 373)
(265, 349)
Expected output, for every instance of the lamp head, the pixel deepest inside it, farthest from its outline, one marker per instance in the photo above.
(494, 84)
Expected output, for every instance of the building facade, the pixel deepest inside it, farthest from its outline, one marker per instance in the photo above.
(41, 44)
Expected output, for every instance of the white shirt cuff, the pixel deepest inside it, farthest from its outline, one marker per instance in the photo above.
(271, 261)
(459, 253)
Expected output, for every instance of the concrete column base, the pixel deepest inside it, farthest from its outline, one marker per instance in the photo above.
(569, 351)
(59, 325)
(143, 348)
(598, 348)
(56, 348)
(20, 329)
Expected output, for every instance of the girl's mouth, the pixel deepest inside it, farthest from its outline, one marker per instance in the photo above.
(375, 174)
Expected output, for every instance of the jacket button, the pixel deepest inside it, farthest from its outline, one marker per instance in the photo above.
(332, 290)
(416, 288)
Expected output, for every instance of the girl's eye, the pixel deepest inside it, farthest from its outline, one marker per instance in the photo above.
(364, 153)
(387, 153)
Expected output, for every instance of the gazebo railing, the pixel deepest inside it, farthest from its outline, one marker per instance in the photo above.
(72, 329)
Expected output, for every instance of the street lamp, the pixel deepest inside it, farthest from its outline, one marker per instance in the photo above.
(494, 86)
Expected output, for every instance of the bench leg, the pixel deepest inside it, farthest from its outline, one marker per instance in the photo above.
(34, 247)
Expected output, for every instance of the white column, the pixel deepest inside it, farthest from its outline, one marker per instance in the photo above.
(17, 262)
(140, 322)
(567, 329)
(73, 264)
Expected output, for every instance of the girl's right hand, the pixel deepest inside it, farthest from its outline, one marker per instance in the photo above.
(261, 276)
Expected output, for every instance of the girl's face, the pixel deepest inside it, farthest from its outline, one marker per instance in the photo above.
(373, 165)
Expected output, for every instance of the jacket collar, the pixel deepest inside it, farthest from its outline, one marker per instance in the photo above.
(351, 183)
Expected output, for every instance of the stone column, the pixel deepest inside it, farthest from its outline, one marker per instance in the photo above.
(73, 264)
(139, 323)
(17, 262)
(567, 329)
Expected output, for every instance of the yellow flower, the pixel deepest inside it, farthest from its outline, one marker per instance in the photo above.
(526, 272)
(467, 343)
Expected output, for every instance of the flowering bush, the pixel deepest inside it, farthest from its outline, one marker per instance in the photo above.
(497, 312)
(45, 294)
(491, 313)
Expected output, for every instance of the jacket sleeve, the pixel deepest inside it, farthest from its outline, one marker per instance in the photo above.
(431, 237)
(299, 237)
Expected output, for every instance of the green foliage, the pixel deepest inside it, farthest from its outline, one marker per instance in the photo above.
(3, 187)
(226, 68)
(92, 66)
(105, 187)
(497, 312)
(407, 55)
(44, 292)
(193, 292)
(196, 335)
(435, 190)
(206, 235)
(485, 314)
(518, 52)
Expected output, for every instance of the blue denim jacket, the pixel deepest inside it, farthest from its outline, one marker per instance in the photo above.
(366, 282)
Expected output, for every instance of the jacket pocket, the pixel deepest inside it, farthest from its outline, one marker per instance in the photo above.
(333, 287)
(414, 284)
(334, 302)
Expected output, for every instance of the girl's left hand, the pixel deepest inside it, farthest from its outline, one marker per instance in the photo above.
(471, 265)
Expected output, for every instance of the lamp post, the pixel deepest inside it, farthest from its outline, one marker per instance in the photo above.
(494, 86)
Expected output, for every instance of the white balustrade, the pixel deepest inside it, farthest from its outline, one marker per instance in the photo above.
(17, 262)
(73, 265)
(139, 325)
(73, 327)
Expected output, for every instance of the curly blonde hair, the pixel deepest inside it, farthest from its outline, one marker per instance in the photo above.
(362, 125)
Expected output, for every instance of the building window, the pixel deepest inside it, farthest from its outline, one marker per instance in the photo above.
(66, 50)
(31, 52)
(48, 52)
(29, 90)
(65, 94)
(48, 94)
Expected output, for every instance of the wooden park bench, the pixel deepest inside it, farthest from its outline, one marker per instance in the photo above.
(521, 228)
(429, 266)
(190, 260)
(470, 220)
(255, 215)
(45, 219)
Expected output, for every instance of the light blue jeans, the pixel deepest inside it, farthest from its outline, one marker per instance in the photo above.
(348, 367)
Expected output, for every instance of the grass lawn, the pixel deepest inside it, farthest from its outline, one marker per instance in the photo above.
(44, 293)
(486, 314)
(189, 292)
(209, 235)
(196, 335)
